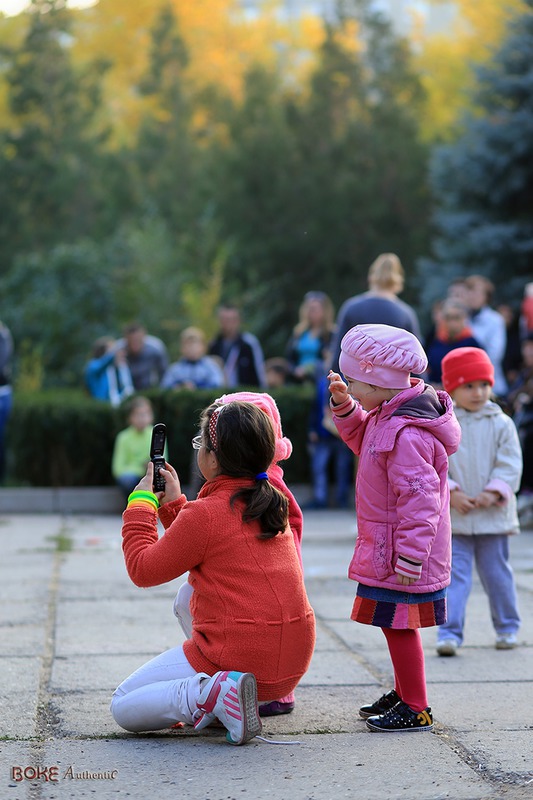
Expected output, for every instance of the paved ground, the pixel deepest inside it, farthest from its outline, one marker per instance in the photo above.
(72, 626)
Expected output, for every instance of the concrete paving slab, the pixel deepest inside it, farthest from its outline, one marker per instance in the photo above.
(116, 626)
(19, 691)
(85, 713)
(83, 673)
(98, 628)
(366, 642)
(506, 753)
(109, 578)
(330, 562)
(31, 583)
(482, 665)
(334, 668)
(25, 611)
(457, 708)
(27, 528)
(331, 605)
(336, 766)
(325, 640)
(21, 639)
(13, 755)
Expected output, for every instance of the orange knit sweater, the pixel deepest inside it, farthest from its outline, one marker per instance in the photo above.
(250, 608)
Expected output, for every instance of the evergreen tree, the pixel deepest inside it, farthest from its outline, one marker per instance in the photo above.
(483, 183)
(313, 186)
(165, 148)
(174, 193)
(51, 175)
(56, 304)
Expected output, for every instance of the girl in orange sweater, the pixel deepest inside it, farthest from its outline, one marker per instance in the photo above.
(254, 631)
(183, 601)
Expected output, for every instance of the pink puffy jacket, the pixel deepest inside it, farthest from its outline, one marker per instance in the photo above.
(402, 495)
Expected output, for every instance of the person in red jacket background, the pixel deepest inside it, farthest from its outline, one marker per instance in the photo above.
(253, 628)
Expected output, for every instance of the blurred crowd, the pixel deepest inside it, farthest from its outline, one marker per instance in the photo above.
(468, 315)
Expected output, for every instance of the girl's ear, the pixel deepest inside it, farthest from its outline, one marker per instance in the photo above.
(213, 461)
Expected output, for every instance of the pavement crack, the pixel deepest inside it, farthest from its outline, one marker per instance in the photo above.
(497, 778)
(47, 718)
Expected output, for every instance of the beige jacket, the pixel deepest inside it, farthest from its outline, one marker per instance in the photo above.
(489, 457)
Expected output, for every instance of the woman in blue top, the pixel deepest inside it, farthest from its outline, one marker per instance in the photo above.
(309, 346)
(107, 375)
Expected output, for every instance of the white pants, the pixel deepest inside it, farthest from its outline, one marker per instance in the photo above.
(162, 692)
(182, 608)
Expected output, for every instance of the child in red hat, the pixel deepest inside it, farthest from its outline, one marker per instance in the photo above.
(484, 475)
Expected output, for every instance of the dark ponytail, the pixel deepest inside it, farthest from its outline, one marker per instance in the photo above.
(243, 440)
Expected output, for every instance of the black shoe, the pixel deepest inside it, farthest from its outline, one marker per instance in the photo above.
(385, 702)
(403, 719)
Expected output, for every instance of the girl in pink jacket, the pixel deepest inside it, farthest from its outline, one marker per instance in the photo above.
(403, 432)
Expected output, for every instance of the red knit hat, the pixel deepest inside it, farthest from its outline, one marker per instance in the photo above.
(464, 365)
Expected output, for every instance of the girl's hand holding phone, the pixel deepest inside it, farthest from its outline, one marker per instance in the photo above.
(172, 485)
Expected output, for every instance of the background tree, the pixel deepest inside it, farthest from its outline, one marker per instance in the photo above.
(64, 301)
(312, 186)
(483, 183)
(185, 151)
(52, 185)
(445, 59)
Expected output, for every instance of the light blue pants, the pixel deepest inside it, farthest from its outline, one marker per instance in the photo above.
(490, 552)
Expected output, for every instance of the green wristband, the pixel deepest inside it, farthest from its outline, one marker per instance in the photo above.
(147, 496)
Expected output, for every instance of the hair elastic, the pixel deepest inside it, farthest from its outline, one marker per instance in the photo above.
(261, 476)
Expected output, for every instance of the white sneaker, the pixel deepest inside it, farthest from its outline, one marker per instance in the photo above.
(506, 641)
(447, 647)
(231, 697)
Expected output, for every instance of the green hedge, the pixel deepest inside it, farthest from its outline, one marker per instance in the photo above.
(64, 438)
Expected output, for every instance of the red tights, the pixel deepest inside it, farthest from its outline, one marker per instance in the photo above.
(407, 656)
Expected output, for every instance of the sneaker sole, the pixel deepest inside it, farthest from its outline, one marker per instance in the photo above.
(375, 729)
(251, 722)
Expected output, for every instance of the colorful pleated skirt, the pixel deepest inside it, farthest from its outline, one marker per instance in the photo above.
(388, 608)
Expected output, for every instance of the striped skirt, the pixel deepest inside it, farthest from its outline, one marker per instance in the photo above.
(388, 608)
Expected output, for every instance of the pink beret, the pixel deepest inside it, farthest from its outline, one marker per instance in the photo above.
(382, 356)
(267, 404)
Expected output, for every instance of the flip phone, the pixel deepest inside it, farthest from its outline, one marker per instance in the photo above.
(157, 455)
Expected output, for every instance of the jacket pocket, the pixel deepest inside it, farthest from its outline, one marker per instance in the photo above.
(382, 555)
